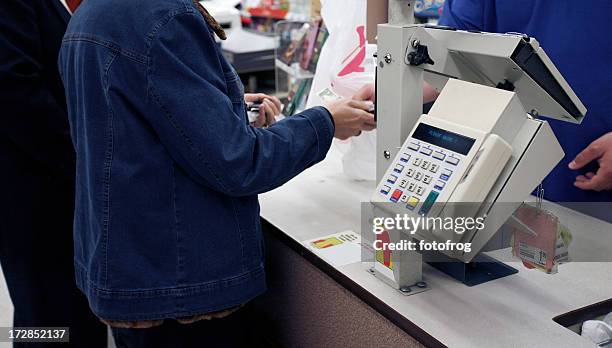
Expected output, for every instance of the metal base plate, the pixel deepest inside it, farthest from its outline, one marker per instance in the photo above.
(413, 289)
(481, 270)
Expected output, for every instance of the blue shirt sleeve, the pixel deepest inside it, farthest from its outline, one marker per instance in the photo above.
(196, 122)
(464, 14)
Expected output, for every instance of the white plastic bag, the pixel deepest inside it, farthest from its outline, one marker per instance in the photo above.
(345, 65)
(598, 331)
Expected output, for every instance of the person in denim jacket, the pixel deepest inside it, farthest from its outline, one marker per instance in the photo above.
(169, 169)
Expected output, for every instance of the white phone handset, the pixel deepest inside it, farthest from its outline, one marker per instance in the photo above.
(484, 170)
(473, 188)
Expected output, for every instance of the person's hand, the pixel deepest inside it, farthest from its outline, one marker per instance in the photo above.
(270, 108)
(366, 93)
(351, 117)
(600, 150)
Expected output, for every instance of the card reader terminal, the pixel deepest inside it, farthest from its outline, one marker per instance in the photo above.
(438, 158)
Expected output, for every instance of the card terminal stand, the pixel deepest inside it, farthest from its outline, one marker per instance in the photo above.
(441, 162)
(459, 160)
(481, 142)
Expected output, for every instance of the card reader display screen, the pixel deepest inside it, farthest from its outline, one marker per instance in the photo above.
(445, 139)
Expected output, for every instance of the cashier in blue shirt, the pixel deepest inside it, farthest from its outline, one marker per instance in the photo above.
(575, 36)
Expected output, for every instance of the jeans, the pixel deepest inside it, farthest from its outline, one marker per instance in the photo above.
(36, 254)
(229, 332)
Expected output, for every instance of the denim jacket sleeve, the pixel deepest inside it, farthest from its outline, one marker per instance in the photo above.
(196, 121)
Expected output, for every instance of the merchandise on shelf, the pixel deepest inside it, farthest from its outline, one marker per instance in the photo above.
(297, 95)
(297, 56)
(291, 42)
(320, 41)
(309, 44)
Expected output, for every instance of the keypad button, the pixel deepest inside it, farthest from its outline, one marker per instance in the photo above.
(439, 185)
(385, 189)
(412, 187)
(398, 168)
(434, 168)
(429, 202)
(412, 203)
(444, 177)
(452, 160)
(439, 155)
(404, 199)
(418, 176)
(414, 146)
(403, 183)
(420, 190)
(417, 161)
(410, 173)
(425, 165)
(396, 195)
(426, 151)
(427, 179)
(447, 172)
(405, 158)
(392, 179)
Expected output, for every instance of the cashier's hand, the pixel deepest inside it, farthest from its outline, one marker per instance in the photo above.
(366, 93)
(351, 117)
(270, 108)
(600, 150)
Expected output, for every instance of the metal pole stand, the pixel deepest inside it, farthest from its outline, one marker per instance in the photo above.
(401, 269)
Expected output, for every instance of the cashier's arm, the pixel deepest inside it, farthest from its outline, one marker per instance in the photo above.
(601, 151)
(368, 92)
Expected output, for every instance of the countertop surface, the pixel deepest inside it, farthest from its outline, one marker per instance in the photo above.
(515, 311)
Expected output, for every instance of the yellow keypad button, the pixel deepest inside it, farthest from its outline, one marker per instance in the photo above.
(412, 202)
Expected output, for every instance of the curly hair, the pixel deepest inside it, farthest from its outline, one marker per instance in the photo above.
(210, 20)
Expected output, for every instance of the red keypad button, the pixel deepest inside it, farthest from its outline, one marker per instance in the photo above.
(397, 194)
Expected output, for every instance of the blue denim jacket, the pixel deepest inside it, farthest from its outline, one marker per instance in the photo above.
(168, 168)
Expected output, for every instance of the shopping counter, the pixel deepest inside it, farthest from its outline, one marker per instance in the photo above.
(311, 302)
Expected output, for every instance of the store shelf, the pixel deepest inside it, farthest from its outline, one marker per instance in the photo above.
(268, 12)
(294, 71)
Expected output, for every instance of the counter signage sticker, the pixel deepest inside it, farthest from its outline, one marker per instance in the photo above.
(384, 256)
(326, 243)
(532, 254)
(339, 249)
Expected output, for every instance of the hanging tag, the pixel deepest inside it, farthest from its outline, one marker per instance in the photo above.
(539, 240)
(564, 238)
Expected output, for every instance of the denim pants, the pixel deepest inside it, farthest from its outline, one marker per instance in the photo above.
(230, 332)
